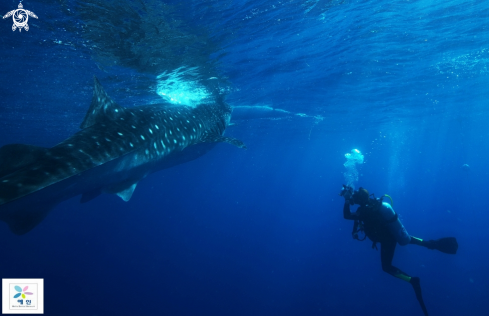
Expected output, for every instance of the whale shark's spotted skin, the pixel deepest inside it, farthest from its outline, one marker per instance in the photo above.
(115, 149)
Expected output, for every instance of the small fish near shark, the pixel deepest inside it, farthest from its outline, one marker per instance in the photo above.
(115, 148)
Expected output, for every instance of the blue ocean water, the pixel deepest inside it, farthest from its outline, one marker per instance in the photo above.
(260, 231)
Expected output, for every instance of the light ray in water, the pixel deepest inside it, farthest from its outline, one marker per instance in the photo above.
(182, 86)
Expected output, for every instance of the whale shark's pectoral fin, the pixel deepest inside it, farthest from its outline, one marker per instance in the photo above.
(127, 193)
(219, 138)
(102, 107)
(233, 141)
(88, 196)
(124, 189)
(16, 156)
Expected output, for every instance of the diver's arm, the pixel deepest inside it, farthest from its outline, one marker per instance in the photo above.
(346, 211)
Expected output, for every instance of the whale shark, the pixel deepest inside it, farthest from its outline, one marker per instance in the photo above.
(115, 149)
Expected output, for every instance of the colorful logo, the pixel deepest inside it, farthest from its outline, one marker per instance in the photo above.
(22, 296)
(22, 291)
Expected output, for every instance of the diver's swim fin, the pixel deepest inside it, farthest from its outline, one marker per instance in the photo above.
(447, 245)
(417, 290)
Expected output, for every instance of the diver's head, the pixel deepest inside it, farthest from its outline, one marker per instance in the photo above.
(360, 197)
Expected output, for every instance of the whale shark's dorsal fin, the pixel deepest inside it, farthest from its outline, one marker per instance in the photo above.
(102, 107)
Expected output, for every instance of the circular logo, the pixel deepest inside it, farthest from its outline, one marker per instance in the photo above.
(20, 18)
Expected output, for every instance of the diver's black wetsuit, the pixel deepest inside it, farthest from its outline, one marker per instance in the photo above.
(377, 231)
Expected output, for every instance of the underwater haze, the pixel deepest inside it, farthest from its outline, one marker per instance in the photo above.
(260, 231)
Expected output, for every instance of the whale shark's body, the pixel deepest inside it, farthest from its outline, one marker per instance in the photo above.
(116, 148)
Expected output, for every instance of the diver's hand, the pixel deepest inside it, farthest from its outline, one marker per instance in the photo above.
(347, 193)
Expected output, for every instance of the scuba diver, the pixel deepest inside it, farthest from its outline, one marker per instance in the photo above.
(378, 221)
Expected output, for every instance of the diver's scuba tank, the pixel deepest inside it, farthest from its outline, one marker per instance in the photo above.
(394, 223)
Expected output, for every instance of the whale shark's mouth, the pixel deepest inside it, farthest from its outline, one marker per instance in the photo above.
(182, 86)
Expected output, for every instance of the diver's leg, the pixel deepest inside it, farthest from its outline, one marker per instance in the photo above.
(416, 241)
(387, 249)
(420, 242)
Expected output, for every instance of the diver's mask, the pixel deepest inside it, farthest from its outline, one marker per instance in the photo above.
(360, 197)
